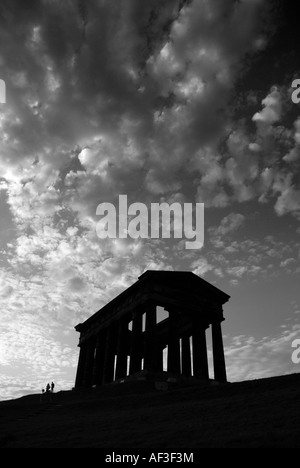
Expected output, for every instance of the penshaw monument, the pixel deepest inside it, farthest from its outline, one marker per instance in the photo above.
(125, 338)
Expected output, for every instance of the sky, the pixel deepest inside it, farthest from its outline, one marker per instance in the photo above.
(184, 101)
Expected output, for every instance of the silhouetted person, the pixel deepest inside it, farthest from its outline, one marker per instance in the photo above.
(48, 392)
(52, 386)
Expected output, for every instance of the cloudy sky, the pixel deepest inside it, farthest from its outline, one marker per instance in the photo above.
(161, 100)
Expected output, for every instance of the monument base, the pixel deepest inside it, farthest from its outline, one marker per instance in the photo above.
(171, 379)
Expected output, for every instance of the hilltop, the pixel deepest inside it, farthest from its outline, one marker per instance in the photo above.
(260, 413)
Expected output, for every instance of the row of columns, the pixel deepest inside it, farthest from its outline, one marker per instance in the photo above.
(104, 358)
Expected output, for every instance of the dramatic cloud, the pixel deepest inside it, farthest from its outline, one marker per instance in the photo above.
(229, 224)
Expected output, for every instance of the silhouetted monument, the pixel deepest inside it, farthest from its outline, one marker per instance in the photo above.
(123, 338)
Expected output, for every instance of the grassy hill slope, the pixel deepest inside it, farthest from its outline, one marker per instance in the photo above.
(262, 413)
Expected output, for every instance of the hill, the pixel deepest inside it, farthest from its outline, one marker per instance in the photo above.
(261, 413)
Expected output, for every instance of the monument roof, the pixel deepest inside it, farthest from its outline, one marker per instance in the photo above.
(186, 281)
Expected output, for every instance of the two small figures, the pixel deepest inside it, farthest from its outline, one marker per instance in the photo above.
(49, 390)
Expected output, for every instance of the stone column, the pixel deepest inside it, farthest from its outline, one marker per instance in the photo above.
(109, 359)
(200, 361)
(136, 343)
(159, 366)
(173, 345)
(121, 366)
(99, 358)
(218, 352)
(89, 363)
(150, 338)
(81, 366)
(186, 358)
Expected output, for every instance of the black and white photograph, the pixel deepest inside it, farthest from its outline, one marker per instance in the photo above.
(149, 226)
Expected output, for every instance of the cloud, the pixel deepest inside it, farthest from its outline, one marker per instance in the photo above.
(287, 262)
(293, 155)
(201, 266)
(230, 224)
(248, 358)
(285, 184)
(30, 355)
(145, 97)
(255, 158)
(116, 101)
(288, 202)
(237, 271)
(249, 259)
(272, 110)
